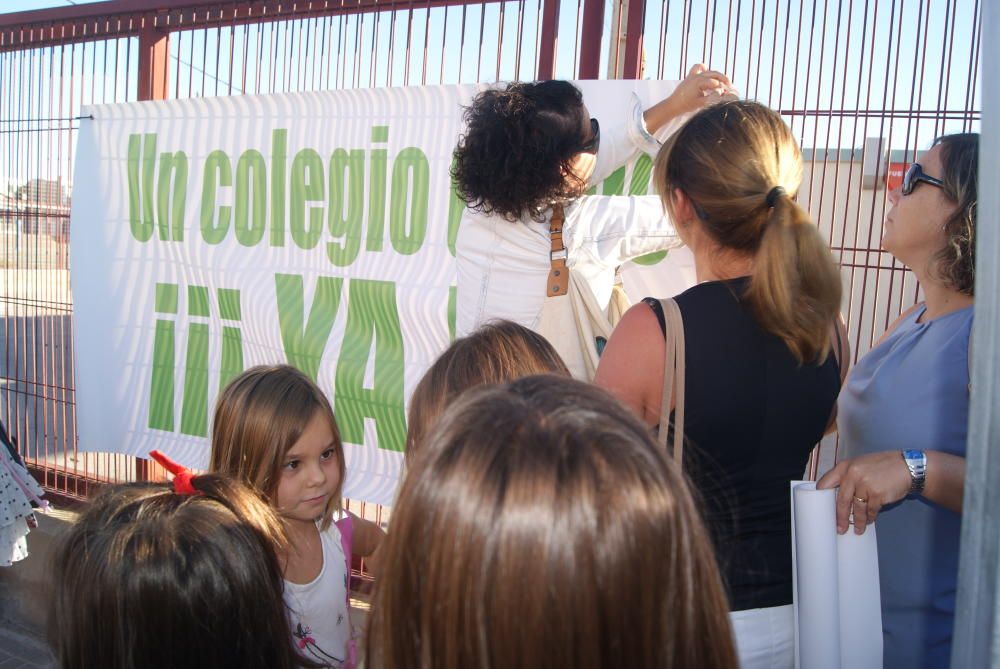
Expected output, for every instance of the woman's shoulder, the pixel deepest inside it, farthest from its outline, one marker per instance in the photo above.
(713, 297)
(908, 317)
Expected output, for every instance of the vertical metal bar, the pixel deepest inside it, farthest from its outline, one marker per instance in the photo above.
(549, 40)
(685, 37)
(232, 52)
(729, 69)
(664, 26)
(868, 251)
(153, 53)
(615, 59)
(977, 632)
(795, 68)
(634, 28)
(819, 92)
(153, 85)
(500, 21)
(482, 30)
(427, 39)
(408, 50)
(517, 44)
(973, 64)
(857, 218)
(784, 57)
(576, 36)
(736, 44)
(916, 95)
(245, 59)
(444, 37)
(705, 35)
(590, 38)
(760, 47)
(218, 55)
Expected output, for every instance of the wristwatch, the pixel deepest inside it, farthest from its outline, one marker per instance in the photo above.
(916, 462)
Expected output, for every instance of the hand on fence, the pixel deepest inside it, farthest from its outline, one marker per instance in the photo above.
(702, 87)
(867, 483)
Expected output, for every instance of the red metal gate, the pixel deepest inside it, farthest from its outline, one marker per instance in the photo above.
(896, 73)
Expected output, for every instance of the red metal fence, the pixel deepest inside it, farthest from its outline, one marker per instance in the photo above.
(898, 71)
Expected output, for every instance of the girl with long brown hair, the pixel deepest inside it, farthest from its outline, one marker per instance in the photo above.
(274, 430)
(541, 527)
(762, 338)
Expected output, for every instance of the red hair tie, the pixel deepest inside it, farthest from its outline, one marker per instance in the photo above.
(182, 475)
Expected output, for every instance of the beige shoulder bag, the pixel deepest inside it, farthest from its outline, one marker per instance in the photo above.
(673, 378)
(571, 319)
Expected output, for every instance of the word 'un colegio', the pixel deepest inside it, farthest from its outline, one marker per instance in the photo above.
(305, 201)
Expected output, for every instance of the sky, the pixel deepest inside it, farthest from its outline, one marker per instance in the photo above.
(818, 61)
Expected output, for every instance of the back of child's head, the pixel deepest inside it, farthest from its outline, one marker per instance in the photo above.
(541, 526)
(258, 417)
(154, 579)
(498, 352)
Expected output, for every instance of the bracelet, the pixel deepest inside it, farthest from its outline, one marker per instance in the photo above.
(916, 462)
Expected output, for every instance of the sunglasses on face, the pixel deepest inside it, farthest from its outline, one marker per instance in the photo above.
(914, 175)
(594, 143)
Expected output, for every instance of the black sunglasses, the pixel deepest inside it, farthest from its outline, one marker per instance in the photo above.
(914, 175)
(594, 143)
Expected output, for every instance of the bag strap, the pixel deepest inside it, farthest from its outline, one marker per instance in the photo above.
(558, 283)
(673, 378)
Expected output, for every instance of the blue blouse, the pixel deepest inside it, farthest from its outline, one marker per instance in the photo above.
(912, 392)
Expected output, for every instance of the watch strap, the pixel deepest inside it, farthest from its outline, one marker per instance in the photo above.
(916, 462)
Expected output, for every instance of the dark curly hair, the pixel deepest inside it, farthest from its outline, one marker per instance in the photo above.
(956, 262)
(513, 159)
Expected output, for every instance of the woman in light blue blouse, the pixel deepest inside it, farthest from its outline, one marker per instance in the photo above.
(903, 413)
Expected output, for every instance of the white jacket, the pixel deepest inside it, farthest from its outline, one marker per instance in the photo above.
(503, 266)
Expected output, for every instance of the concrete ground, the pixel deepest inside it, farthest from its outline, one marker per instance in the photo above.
(22, 598)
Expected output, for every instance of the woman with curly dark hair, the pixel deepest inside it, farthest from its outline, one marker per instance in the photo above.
(903, 413)
(530, 248)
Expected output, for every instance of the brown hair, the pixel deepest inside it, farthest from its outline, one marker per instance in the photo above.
(258, 417)
(727, 159)
(956, 262)
(149, 578)
(498, 352)
(542, 527)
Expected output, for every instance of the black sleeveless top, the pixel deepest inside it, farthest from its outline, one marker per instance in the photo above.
(752, 415)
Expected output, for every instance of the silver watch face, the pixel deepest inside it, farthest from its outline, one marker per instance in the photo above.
(916, 462)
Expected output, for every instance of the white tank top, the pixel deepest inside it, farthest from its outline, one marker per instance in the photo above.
(317, 611)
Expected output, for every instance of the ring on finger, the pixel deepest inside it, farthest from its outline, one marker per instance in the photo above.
(860, 500)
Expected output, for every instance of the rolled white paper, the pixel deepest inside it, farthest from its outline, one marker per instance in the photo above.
(817, 600)
(838, 615)
(860, 599)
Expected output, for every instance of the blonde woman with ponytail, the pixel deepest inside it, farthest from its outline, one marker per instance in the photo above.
(763, 341)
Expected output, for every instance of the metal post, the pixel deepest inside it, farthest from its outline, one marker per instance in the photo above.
(590, 39)
(154, 49)
(154, 76)
(635, 24)
(549, 40)
(977, 623)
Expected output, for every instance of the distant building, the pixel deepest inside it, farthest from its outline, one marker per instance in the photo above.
(40, 206)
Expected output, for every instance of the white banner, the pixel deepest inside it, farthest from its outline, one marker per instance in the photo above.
(213, 234)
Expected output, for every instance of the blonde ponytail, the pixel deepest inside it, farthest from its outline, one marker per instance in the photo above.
(739, 165)
(795, 290)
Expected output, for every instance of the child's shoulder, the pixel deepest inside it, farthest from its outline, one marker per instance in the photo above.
(339, 532)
